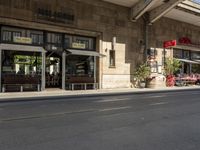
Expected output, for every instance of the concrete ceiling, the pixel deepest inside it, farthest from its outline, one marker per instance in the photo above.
(127, 3)
(189, 12)
(184, 16)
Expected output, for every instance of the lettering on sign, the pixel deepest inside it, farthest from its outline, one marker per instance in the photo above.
(188, 41)
(65, 16)
(168, 44)
(24, 40)
(78, 45)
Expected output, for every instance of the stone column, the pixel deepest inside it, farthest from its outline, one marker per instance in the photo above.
(95, 70)
(63, 69)
(43, 77)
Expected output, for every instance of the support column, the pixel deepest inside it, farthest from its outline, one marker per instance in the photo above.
(63, 69)
(43, 77)
(0, 70)
(95, 71)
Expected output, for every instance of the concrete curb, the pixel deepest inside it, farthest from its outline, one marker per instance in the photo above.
(67, 96)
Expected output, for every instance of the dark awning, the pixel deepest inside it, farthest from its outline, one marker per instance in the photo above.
(84, 52)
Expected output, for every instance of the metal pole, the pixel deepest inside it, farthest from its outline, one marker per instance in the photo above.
(43, 78)
(95, 69)
(0, 68)
(164, 58)
(63, 69)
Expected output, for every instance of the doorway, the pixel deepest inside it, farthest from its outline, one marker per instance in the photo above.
(53, 70)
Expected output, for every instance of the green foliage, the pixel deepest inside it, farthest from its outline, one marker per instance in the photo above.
(142, 72)
(172, 66)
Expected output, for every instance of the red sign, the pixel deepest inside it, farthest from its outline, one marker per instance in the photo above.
(185, 40)
(168, 44)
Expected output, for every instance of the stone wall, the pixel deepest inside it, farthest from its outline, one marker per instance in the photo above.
(91, 18)
(167, 29)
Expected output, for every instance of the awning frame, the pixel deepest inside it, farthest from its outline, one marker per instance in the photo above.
(17, 47)
(83, 52)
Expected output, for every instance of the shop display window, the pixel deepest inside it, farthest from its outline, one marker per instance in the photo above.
(21, 67)
(80, 66)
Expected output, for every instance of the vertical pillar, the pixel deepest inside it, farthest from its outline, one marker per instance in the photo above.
(0, 69)
(63, 69)
(43, 78)
(95, 70)
(190, 68)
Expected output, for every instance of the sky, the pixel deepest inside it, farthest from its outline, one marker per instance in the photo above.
(197, 1)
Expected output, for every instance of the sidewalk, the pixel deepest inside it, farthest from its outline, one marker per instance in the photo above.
(57, 92)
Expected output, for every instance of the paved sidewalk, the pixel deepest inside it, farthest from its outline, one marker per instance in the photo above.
(58, 92)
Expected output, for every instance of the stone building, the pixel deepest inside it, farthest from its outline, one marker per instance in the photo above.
(82, 44)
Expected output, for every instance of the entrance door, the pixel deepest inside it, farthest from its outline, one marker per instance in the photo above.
(53, 71)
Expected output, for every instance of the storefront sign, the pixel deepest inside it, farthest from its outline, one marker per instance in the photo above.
(78, 45)
(168, 44)
(187, 41)
(184, 40)
(23, 40)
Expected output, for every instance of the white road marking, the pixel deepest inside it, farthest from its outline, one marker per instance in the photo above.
(114, 108)
(161, 103)
(157, 96)
(113, 100)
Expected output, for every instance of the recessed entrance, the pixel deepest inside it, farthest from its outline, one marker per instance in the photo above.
(53, 70)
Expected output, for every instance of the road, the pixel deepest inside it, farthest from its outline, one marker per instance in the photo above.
(151, 121)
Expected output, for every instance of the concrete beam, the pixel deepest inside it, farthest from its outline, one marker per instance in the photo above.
(141, 7)
(157, 13)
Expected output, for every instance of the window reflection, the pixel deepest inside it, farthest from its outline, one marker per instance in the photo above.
(21, 68)
(80, 66)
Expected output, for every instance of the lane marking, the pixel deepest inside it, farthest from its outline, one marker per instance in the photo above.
(114, 108)
(161, 103)
(45, 115)
(157, 96)
(113, 100)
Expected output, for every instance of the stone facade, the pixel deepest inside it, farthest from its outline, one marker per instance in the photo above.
(92, 18)
(103, 21)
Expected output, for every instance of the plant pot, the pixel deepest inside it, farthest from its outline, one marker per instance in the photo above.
(170, 80)
(142, 84)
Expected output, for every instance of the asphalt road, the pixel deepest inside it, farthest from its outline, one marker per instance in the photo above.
(157, 121)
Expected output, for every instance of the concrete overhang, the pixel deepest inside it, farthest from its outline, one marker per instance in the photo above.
(182, 10)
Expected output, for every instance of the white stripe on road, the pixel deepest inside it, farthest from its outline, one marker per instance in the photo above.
(155, 96)
(114, 108)
(113, 100)
(161, 103)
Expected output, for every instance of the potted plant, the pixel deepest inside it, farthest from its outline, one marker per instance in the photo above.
(141, 74)
(171, 66)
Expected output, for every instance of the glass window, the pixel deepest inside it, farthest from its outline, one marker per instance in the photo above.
(112, 58)
(24, 63)
(37, 38)
(16, 34)
(80, 66)
(7, 36)
(54, 38)
(78, 42)
(186, 54)
(195, 55)
(177, 53)
(21, 69)
(54, 41)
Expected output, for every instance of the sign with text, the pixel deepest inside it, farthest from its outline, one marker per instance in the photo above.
(168, 44)
(78, 45)
(24, 40)
(58, 16)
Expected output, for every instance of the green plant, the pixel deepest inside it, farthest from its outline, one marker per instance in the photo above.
(142, 72)
(172, 66)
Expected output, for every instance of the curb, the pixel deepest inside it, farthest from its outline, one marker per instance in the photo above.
(67, 97)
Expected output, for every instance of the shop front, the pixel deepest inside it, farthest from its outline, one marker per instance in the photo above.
(34, 60)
